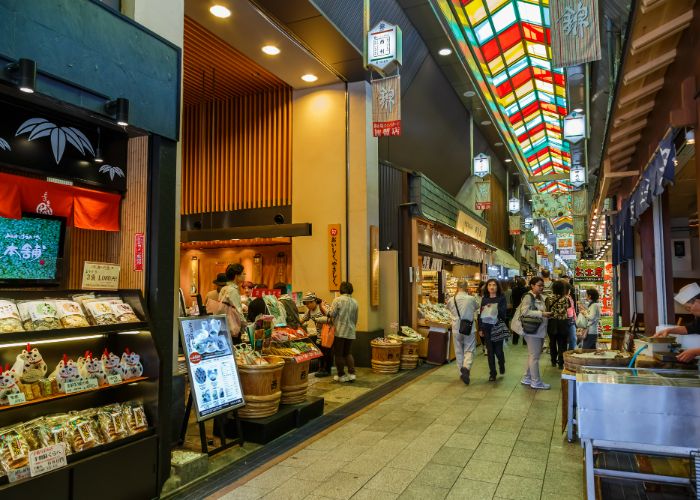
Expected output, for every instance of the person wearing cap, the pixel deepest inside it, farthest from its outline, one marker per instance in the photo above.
(213, 295)
(313, 320)
(689, 297)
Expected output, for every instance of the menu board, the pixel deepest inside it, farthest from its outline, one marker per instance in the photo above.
(214, 381)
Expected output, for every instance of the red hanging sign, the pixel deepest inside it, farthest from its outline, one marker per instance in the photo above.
(139, 245)
(261, 292)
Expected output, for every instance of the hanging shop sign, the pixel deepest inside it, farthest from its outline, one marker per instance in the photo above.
(471, 226)
(100, 276)
(334, 258)
(575, 32)
(514, 205)
(386, 106)
(483, 195)
(482, 165)
(214, 379)
(577, 176)
(574, 127)
(374, 266)
(546, 205)
(56, 145)
(590, 270)
(579, 202)
(514, 224)
(528, 222)
(659, 173)
(565, 242)
(139, 251)
(384, 48)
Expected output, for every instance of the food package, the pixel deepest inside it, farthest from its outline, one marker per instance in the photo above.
(71, 314)
(58, 431)
(131, 365)
(8, 384)
(135, 417)
(100, 312)
(83, 433)
(39, 315)
(47, 387)
(36, 432)
(112, 422)
(14, 450)
(66, 371)
(124, 313)
(9, 317)
(29, 365)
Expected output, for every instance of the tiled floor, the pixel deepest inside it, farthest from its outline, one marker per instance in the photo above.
(437, 438)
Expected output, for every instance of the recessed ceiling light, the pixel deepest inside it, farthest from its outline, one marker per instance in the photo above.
(309, 77)
(578, 110)
(220, 11)
(498, 144)
(508, 160)
(445, 52)
(486, 122)
(469, 93)
(271, 50)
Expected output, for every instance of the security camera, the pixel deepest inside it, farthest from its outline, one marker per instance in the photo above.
(279, 219)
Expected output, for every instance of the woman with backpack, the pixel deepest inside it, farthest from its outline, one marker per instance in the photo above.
(531, 321)
(558, 328)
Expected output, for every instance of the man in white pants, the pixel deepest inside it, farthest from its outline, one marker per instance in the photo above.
(462, 307)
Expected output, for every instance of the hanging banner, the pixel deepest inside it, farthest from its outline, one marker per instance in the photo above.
(471, 226)
(590, 271)
(514, 224)
(374, 265)
(139, 250)
(529, 238)
(334, 258)
(483, 195)
(579, 226)
(386, 106)
(545, 205)
(565, 241)
(575, 32)
(579, 202)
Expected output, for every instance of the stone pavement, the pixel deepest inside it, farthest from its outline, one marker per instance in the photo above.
(437, 438)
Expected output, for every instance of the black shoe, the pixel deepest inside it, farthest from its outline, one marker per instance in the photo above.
(561, 367)
(492, 378)
(554, 365)
(465, 375)
(502, 368)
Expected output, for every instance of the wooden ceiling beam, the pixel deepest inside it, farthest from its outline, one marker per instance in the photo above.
(640, 110)
(623, 144)
(626, 173)
(650, 66)
(622, 163)
(624, 132)
(622, 154)
(662, 32)
(640, 93)
(649, 5)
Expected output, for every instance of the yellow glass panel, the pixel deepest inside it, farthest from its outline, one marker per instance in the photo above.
(496, 66)
(495, 4)
(524, 90)
(507, 100)
(514, 54)
(475, 11)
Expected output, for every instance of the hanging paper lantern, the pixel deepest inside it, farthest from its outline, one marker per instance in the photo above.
(514, 205)
(482, 165)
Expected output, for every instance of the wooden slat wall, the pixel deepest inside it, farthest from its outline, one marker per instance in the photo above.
(237, 153)
(84, 246)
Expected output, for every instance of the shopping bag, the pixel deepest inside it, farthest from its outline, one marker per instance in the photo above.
(327, 336)
(499, 331)
(581, 321)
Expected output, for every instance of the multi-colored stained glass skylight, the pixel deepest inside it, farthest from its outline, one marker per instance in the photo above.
(511, 42)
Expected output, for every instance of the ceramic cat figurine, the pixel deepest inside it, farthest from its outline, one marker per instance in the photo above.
(66, 371)
(93, 368)
(110, 364)
(131, 364)
(8, 384)
(30, 366)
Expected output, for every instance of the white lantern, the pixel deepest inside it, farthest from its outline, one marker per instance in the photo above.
(482, 165)
(577, 176)
(575, 127)
(528, 222)
(514, 205)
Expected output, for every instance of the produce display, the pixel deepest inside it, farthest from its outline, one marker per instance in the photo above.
(78, 311)
(291, 349)
(246, 355)
(436, 313)
(76, 431)
(408, 334)
(386, 341)
(287, 334)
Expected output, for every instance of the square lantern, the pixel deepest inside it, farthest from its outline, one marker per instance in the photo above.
(482, 165)
(514, 205)
(528, 222)
(574, 127)
(577, 175)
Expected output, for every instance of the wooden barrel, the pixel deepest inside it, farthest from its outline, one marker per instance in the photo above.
(295, 381)
(386, 358)
(573, 362)
(262, 388)
(409, 355)
(618, 339)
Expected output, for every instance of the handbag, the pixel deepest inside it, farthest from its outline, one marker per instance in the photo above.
(581, 321)
(327, 335)
(530, 324)
(465, 326)
(234, 322)
(499, 331)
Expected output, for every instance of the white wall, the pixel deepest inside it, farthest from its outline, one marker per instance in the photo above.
(165, 18)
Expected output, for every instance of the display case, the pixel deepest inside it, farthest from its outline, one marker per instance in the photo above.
(130, 381)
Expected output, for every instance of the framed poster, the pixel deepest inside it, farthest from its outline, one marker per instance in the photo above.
(214, 380)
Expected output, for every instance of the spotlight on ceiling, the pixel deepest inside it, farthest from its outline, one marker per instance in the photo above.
(119, 109)
(23, 73)
(578, 110)
(309, 78)
(271, 50)
(508, 160)
(220, 11)
(486, 122)
(445, 51)
(469, 93)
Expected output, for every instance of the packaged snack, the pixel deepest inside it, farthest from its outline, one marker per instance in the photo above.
(71, 314)
(135, 417)
(36, 432)
(9, 317)
(39, 315)
(82, 432)
(66, 371)
(46, 387)
(112, 423)
(100, 312)
(124, 313)
(131, 364)
(30, 366)
(14, 450)
(58, 431)
(8, 384)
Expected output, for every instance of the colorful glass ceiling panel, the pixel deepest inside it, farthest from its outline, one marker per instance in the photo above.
(511, 42)
(565, 223)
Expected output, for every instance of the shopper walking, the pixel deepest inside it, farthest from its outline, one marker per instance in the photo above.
(571, 313)
(314, 319)
(463, 307)
(533, 307)
(210, 301)
(343, 313)
(493, 310)
(592, 315)
(558, 328)
(519, 290)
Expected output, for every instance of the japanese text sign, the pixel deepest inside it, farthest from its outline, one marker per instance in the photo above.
(100, 276)
(139, 251)
(334, 257)
(575, 32)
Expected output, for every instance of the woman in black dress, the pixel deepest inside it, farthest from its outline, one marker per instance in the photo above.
(493, 309)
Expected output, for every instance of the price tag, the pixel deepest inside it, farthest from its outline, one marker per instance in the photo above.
(114, 379)
(47, 459)
(83, 384)
(16, 399)
(14, 475)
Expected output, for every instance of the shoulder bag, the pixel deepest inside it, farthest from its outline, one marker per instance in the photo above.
(499, 331)
(465, 326)
(530, 324)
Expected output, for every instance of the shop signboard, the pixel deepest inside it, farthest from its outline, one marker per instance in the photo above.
(483, 195)
(592, 271)
(259, 293)
(386, 106)
(55, 145)
(139, 249)
(471, 226)
(334, 258)
(565, 241)
(514, 224)
(575, 32)
(100, 276)
(214, 379)
(384, 48)
(597, 274)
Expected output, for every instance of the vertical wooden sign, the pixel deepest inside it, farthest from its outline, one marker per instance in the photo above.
(374, 266)
(334, 258)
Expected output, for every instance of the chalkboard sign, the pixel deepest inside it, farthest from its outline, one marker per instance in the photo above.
(214, 379)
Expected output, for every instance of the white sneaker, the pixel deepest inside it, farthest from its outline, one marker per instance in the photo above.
(540, 385)
(526, 381)
(351, 377)
(344, 378)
